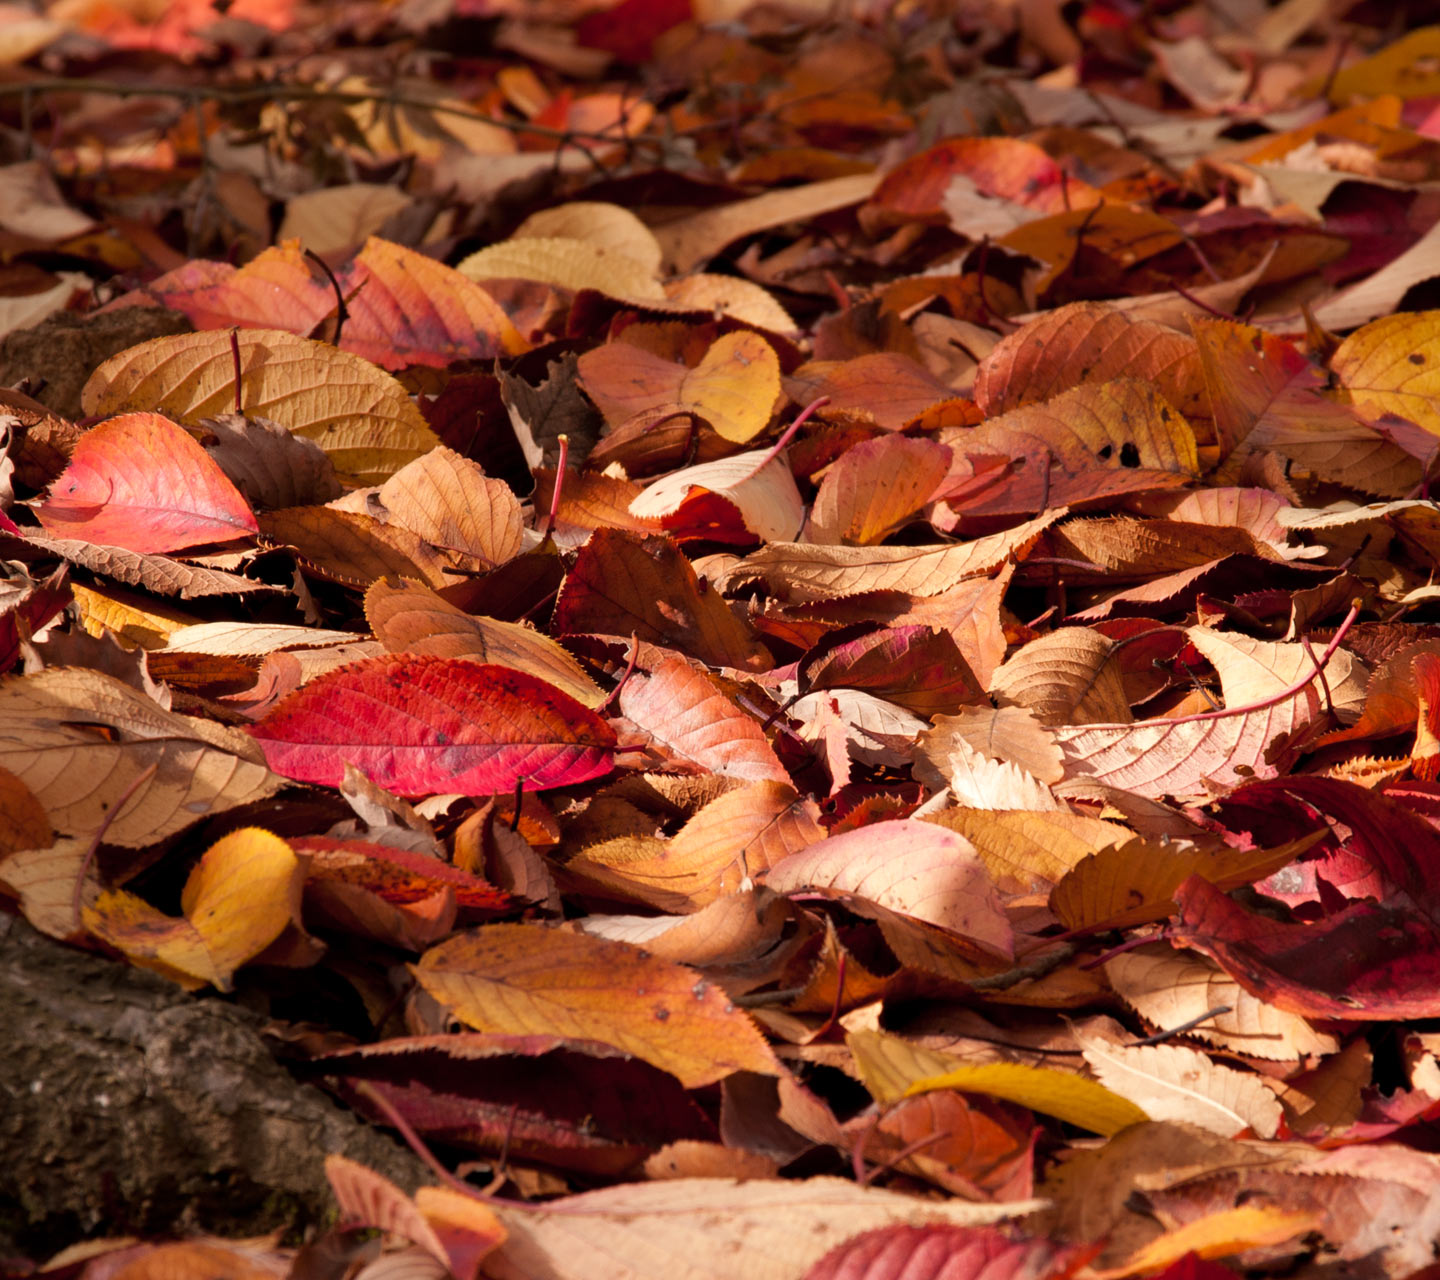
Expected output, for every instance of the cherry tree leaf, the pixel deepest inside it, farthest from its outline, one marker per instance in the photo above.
(687, 715)
(423, 725)
(526, 979)
(142, 483)
(914, 868)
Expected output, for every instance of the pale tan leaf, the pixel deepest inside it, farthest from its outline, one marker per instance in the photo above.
(361, 416)
(567, 262)
(334, 219)
(1214, 753)
(688, 241)
(733, 296)
(711, 1228)
(915, 868)
(1011, 734)
(878, 732)
(764, 493)
(252, 639)
(44, 881)
(605, 226)
(1170, 988)
(80, 740)
(797, 572)
(1065, 677)
(449, 501)
(1176, 1083)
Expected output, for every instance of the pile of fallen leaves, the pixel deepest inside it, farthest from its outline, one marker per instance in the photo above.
(824, 619)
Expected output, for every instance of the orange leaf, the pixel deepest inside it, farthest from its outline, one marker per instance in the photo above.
(141, 482)
(525, 979)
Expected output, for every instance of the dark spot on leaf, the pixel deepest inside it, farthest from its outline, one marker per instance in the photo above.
(662, 1014)
(1416, 358)
(1105, 452)
(1129, 455)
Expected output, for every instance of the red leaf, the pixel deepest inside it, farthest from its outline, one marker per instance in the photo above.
(1366, 962)
(423, 726)
(943, 1252)
(141, 482)
(1397, 847)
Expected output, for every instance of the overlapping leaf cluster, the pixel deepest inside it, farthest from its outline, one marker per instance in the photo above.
(830, 622)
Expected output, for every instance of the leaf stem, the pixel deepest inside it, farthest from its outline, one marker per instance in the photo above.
(1289, 692)
(144, 776)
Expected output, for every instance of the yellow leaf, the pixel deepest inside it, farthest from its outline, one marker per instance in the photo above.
(1392, 365)
(1406, 68)
(1071, 1098)
(238, 900)
(1216, 1236)
(734, 387)
(892, 1068)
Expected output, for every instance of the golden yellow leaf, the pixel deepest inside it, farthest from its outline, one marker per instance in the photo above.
(527, 979)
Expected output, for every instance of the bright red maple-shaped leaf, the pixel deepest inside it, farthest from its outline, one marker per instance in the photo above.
(142, 482)
(422, 726)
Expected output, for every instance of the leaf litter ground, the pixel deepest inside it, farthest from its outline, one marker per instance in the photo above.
(824, 621)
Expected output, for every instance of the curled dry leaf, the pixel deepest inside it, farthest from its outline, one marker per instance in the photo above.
(623, 584)
(733, 838)
(352, 548)
(242, 895)
(408, 617)
(270, 465)
(1065, 677)
(919, 668)
(760, 488)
